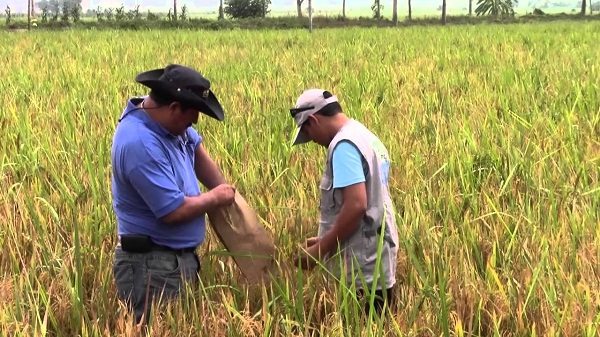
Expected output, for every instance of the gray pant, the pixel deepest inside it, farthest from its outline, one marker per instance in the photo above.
(158, 275)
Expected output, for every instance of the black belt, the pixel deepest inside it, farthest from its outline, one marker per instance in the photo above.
(144, 244)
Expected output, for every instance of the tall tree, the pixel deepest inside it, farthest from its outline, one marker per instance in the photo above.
(409, 10)
(299, 7)
(344, 9)
(376, 8)
(583, 3)
(310, 13)
(175, 10)
(470, 7)
(443, 12)
(394, 11)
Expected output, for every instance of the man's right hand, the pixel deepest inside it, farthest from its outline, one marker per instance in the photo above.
(223, 195)
(193, 207)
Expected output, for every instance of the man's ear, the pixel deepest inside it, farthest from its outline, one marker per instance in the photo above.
(174, 106)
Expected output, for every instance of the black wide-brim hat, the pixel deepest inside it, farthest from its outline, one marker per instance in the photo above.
(186, 85)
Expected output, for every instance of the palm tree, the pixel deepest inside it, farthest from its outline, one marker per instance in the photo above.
(494, 7)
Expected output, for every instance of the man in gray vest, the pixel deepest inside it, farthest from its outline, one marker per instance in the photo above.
(357, 227)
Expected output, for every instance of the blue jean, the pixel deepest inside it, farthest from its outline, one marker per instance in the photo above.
(157, 275)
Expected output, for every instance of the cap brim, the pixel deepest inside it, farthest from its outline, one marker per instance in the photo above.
(300, 137)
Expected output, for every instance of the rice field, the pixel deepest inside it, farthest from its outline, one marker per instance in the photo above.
(494, 133)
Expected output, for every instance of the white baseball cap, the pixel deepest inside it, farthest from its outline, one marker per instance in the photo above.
(310, 102)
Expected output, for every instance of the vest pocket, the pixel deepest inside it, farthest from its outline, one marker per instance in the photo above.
(327, 203)
(369, 239)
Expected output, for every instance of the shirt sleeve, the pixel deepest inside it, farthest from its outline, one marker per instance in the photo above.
(194, 137)
(154, 180)
(347, 165)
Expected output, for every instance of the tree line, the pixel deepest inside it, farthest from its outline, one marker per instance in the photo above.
(64, 11)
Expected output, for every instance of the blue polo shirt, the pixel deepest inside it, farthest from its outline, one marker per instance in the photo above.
(152, 170)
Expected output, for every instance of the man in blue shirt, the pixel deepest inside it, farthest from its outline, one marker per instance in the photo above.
(157, 160)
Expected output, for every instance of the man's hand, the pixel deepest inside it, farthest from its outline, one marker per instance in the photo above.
(192, 207)
(223, 195)
(311, 241)
(347, 223)
(308, 256)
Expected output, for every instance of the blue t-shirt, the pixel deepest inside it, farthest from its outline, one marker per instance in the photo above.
(152, 171)
(348, 165)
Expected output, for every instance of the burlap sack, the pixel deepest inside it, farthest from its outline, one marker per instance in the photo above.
(237, 226)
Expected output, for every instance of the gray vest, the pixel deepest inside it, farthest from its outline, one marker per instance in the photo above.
(357, 258)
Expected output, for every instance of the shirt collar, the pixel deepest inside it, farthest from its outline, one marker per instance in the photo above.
(138, 113)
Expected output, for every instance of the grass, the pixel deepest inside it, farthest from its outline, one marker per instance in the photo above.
(494, 137)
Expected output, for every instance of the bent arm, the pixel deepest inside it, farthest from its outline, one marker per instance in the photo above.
(206, 169)
(349, 176)
(348, 221)
(191, 208)
(210, 176)
(156, 184)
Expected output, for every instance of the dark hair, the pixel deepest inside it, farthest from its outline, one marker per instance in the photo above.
(162, 98)
(330, 109)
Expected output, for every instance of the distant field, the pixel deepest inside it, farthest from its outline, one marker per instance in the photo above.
(494, 136)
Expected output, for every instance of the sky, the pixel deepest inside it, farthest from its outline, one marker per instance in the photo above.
(20, 6)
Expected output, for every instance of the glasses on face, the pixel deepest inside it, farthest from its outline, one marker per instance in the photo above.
(295, 111)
